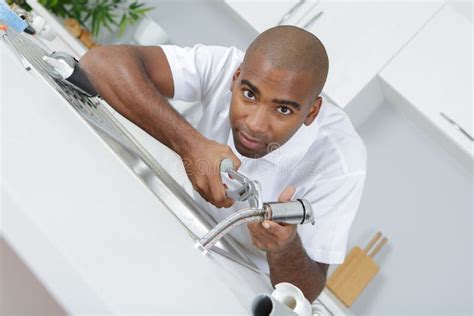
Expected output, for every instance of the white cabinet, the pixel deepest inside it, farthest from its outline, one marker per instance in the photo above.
(360, 37)
(433, 74)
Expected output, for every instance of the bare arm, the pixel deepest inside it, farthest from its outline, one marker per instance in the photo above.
(294, 266)
(287, 259)
(136, 82)
(119, 75)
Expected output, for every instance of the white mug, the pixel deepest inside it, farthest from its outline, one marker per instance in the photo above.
(43, 29)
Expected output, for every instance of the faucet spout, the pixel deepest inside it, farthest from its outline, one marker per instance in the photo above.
(293, 212)
(247, 215)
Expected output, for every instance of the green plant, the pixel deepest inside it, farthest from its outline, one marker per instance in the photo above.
(95, 14)
(21, 3)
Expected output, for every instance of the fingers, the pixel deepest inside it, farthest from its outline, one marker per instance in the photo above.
(235, 161)
(214, 194)
(227, 154)
(203, 169)
(286, 195)
(271, 236)
(216, 191)
(280, 231)
(273, 228)
(260, 238)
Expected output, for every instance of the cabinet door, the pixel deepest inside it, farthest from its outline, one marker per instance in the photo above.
(433, 73)
(360, 37)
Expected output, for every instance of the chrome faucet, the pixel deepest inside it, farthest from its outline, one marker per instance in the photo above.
(248, 190)
(292, 212)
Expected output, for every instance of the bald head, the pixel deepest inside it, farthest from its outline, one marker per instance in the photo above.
(294, 49)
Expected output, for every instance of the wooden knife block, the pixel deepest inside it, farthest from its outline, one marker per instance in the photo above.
(353, 276)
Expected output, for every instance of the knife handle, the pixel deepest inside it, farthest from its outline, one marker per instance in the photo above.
(378, 247)
(372, 242)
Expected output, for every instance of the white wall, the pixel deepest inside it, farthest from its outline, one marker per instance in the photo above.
(464, 7)
(421, 199)
(210, 22)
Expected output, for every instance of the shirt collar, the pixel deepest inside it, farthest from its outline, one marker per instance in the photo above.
(291, 151)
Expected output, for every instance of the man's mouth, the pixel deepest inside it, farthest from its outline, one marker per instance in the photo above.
(249, 142)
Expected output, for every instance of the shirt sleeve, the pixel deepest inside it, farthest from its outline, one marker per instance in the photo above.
(335, 202)
(196, 70)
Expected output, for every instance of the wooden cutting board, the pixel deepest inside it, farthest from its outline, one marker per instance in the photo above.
(358, 269)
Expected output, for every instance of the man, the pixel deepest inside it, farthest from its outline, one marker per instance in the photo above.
(264, 111)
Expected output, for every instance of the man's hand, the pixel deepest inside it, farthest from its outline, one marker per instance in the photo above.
(202, 163)
(287, 259)
(271, 236)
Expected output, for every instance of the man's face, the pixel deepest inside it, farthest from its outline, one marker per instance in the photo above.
(269, 105)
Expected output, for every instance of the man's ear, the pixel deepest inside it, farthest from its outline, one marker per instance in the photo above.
(234, 78)
(313, 112)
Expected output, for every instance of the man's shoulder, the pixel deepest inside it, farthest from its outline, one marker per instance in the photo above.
(221, 56)
(338, 147)
(224, 61)
(206, 50)
(202, 69)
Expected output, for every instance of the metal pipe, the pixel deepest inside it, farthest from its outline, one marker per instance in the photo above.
(246, 215)
(292, 212)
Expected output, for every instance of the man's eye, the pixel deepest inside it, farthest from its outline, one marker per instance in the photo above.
(249, 94)
(284, 110)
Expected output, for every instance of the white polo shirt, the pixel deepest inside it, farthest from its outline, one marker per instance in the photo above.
(326, 161)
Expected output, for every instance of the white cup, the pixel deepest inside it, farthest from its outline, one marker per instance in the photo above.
(43, 29)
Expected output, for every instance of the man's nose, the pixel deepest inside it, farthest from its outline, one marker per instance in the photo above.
(258, 121)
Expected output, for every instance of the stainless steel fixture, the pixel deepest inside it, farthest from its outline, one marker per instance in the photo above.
(292, 212)
(249, 190)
